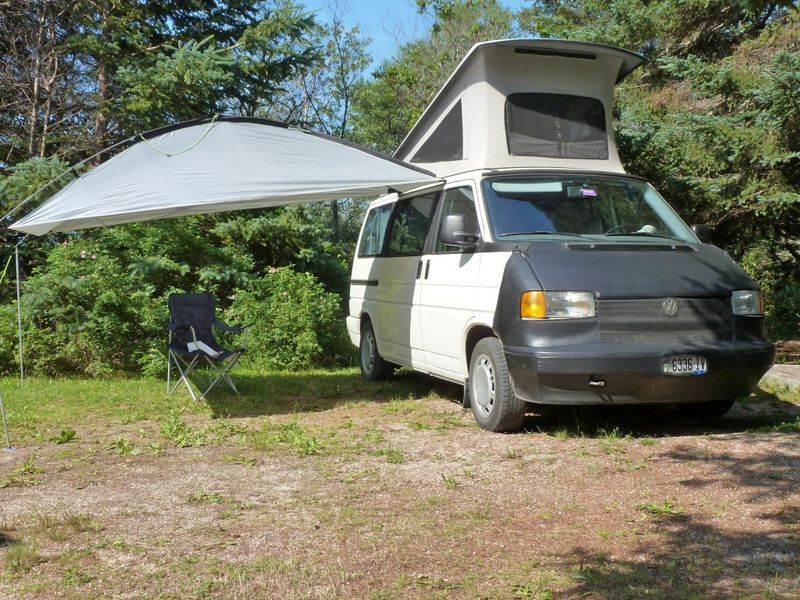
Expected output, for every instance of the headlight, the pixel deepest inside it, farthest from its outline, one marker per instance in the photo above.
(747, 302)
(557, 305)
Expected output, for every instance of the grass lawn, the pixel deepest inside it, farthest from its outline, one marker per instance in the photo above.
(321, 485)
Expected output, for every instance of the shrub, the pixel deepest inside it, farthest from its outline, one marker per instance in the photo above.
(781, 291)
(86, 314)
(296, 323)
(91, 309)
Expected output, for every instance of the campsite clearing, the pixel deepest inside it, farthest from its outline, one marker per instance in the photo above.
(320, 485)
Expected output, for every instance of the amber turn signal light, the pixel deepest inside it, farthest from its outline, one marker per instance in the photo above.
(532, 305)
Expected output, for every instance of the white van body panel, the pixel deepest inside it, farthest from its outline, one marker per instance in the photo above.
(460, 293)
(393, 307)
(447, 303)
(397, 310)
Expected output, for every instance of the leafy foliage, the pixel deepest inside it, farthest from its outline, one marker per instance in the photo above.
(84, 314)
(95, 301)
(295, 323)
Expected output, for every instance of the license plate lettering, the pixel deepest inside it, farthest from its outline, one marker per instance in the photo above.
(684, 365)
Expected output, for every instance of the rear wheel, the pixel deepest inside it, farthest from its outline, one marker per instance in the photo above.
(705, 410)
(492, 399)
(373, 367)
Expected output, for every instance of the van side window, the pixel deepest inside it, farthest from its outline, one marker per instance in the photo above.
(458, 201)
(409, 226)
(375, 231)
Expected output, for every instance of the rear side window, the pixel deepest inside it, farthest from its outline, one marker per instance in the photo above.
(556, 126)
(375, 231)
(409, 226)
(446, 142)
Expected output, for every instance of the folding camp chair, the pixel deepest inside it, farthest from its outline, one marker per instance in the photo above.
(191, 342)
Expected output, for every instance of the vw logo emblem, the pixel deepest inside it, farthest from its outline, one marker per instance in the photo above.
(670, 306)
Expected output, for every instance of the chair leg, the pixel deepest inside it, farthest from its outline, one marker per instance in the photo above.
(226, 373)
(185, 372)
(222, 374)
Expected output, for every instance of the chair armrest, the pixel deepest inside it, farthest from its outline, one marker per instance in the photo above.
(225, 327)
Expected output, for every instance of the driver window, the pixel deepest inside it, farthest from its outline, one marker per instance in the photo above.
(458, 201)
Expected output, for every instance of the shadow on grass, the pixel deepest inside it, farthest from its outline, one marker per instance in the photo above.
(702, 556)
(763, 410)
(6, 539)
(693, 558)
(286, 393)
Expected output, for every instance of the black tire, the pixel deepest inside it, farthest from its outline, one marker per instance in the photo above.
(492, 399)
(705, 410)
(373, 367)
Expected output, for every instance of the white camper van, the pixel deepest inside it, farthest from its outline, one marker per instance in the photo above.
(535, 270)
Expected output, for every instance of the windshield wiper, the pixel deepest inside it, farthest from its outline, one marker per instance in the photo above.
(542, 232)
(644, 233)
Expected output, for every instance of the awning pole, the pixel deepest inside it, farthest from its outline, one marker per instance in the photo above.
(19, 315)
(8, 447)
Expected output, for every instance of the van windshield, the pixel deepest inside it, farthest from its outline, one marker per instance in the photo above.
(592, 206)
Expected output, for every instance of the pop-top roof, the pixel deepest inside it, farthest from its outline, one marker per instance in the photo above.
(523, 103)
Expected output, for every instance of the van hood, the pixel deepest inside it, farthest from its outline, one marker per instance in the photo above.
(636, 270)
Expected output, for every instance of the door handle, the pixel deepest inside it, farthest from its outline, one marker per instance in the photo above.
(427, 268)
(419, 268)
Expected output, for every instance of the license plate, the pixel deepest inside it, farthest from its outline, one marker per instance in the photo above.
(684, 365)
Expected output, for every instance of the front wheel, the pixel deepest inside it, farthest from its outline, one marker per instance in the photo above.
(494, 404)
(373, 367)
(705, 410)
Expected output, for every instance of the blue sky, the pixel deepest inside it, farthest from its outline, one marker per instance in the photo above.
(389, 23)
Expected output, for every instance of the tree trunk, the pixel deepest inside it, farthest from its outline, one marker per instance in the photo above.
(101, 117)
(37, 74)
(50, 84)
(335, 219)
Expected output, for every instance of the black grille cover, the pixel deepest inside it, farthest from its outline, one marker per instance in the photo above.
(646, 320)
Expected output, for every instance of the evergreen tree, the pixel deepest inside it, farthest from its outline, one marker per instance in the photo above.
(387, 107)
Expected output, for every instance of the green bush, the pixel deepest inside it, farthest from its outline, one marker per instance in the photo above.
(8, 338)
(781, 291)
(296, 323)
(85, 314)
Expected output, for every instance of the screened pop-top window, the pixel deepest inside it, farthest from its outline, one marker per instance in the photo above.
(556, 126)
(447, 140)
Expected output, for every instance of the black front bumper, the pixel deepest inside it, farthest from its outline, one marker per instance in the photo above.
(632, 373)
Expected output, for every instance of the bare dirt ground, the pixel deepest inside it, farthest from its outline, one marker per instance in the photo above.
(398, 494)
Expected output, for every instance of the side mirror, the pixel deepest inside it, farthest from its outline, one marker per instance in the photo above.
(452, 232)
(703, 233)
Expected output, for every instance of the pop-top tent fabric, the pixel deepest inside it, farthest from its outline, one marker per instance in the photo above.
(219, 165)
